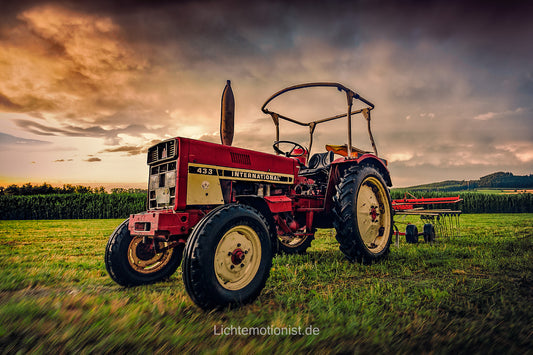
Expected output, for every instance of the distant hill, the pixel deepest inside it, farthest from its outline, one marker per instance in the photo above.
(502, 180)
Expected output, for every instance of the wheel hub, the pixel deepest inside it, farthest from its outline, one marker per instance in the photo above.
(145, 251)
(374, 213)
(237, 256)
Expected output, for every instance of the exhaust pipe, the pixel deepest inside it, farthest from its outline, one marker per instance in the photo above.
(227, 116)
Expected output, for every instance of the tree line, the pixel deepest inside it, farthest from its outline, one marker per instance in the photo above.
(47, 189)
(499, 180)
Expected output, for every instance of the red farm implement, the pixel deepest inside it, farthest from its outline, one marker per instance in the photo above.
(437, 221)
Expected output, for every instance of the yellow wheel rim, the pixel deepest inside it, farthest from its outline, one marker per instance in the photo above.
(290, 241)
(237, 257)
(373, 214)
(143, 258)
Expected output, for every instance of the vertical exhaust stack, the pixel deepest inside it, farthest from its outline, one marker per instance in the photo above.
(227, 116)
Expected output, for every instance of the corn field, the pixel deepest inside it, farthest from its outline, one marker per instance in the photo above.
(71, 206)
(475, 202)
(98, 206)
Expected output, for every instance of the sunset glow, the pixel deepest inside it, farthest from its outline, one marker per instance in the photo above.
(85, 89)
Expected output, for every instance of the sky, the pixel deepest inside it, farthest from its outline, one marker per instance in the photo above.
(87, 87)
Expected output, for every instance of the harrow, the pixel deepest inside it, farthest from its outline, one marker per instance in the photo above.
(442, 222)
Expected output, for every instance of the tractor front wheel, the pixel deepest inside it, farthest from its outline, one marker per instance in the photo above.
(363, 215)
(228, 257)
(133, 260)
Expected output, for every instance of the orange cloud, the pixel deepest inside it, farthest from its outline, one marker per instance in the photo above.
(73, 65)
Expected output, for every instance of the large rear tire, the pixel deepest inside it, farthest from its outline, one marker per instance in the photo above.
(363, 215)
(227, 258)
(131, 262)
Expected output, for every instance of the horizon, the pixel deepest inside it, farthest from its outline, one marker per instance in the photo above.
(106, 185)
(86, 88)
(110, 185)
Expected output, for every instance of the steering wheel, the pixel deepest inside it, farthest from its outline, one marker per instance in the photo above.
(289, 153)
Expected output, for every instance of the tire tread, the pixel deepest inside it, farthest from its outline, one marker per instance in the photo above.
(344, 220)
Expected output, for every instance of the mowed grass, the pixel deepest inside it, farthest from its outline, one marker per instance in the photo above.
(467, 294)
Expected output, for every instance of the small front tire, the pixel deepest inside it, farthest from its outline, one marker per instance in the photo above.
(429, 233)
(411, 234)
(132, 262)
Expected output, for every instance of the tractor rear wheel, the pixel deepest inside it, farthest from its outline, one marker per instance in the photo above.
(132, 261)
(228, 257)
(363, 215)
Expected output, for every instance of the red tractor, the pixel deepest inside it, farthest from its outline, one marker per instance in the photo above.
(226, 210)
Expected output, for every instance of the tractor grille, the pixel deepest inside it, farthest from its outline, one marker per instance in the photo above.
(162, 151)
(162, 186)
(239, 158)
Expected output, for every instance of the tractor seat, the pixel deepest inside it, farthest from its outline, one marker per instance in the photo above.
(318, 164)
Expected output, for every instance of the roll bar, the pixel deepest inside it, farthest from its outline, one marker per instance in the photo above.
(350, 96)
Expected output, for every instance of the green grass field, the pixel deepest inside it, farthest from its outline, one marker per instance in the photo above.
(467, 294)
